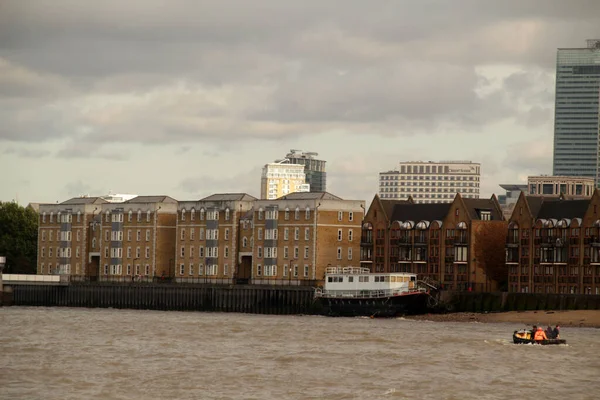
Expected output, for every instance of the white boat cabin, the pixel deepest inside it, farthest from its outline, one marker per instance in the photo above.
(361, 282)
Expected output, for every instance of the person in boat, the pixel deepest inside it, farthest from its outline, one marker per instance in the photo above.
(556, 332)
(540, 335)
(533, 331)
(549, 332)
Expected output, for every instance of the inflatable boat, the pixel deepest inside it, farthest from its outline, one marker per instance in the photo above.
(525, 336)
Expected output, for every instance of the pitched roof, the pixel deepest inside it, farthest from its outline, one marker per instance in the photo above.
(420, 212)
(559, 209)
(309, 196)
(152, 199)
(229, 197)
(535, 203)
(474, 206)
(84, 200)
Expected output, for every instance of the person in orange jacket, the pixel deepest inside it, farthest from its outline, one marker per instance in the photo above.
(540, 335)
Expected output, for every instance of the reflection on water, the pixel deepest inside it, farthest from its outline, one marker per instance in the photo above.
(69, 353)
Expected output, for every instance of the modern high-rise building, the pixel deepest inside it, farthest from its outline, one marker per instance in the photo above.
(431, 182)
(314, 169)
(281, 178)
(576, 128)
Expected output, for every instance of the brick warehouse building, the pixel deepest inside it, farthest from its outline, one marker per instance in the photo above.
(553, 245)
(436, 241)
(220, 238)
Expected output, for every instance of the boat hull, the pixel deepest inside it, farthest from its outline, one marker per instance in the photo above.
(376, 307)
(520, 340)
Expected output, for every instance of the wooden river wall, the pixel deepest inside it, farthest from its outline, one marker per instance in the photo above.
(243, 299)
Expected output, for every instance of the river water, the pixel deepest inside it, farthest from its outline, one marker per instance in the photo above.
(71, 353)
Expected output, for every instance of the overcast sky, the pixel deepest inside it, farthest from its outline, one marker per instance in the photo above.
(189, 98)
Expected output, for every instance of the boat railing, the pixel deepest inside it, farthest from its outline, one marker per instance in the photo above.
(363, 294)
(347, 270)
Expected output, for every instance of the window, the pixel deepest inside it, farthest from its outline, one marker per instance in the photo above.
(202, 214)
(260, 234)
(139, 235)
(183, 217)
(270, 270)
(105, 252)
(78, 235)
(286, 234)
(212, 269)
(226, 269)
(129, 252)
(286, 214)
(43, 252)
(106, 235)
(339, 253)
(212, 252)
(226, 234)
(129, 216)
(339, 237)
(297, 214)
(212, 234)
(192, 232)
(306, 252)
(129, 235)
(200, 269)
(182, 236)
(350, 235)
(486, 215)
(50, 236)
(258, 270)
(296, 233)
(201, 252)
(259, 253)
(295, 270)
(286, 252)
(340, 215)
(306, 233)
(285, 270)
(191, 270)
(138, 252)
(349, 253)
(296, 253)
(272, 215)
(201, 235)
(93, 243)
(350, 216)
(305, 271)
(191, 251)
(182, 252)
(105, 269)
(271, 234)
(147, 235)
(213, 215)
(148, 252)
(147, 270)
(244, 241)
(307, 213)
(43, 236)
(147, 218)
(44, 217)
(107, 215)
(261, 214)
(181, 269)
(192, 215)
(227, 214)
(139, 216)
(270, 252)
(226, 252)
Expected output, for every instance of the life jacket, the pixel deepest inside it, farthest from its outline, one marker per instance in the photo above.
(540, 335)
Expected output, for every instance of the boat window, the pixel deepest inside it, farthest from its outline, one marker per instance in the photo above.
(350, 279)
(330, 279)
(363, 279)
(386, 278)
(413, 278)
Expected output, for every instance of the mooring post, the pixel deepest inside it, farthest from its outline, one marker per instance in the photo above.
(2, 263)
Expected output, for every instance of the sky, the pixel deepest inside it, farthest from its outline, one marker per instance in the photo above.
(190, 98)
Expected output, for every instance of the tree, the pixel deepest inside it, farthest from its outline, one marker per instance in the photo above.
(490, 250)
(18, 238)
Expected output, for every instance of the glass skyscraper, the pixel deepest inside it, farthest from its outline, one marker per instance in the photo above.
(576, 122)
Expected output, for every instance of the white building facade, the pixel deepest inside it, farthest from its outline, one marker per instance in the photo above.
(282, 178)
(431, 182)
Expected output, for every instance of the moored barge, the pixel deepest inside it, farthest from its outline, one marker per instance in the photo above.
(353, 291)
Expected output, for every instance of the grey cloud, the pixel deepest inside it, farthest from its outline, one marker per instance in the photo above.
(155, 72)
(531, 156)
(200, 186)
(27, 153)
(79, 188)
(87, 150)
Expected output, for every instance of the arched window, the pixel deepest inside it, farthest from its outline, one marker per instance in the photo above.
(44, 217)
(51, 217)
(202, 214)
(93, 243)
(139, 217)
(148, 216)
(227, 214)
(307, 213)
(244, 241)
(287, 214)
(183, 214)
(107, 216)
(297, 213)
(192, 214)
(260, 214)
(129, 216)
(78, 216)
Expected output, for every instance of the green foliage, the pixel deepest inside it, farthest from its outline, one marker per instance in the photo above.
(18, 238)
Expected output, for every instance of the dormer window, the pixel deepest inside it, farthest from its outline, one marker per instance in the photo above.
(183, 214)
(485, 215)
